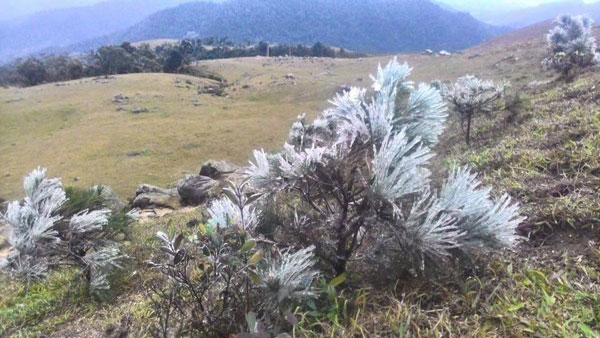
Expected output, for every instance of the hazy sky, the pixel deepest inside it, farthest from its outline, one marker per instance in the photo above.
(493, 5)
(15, 8)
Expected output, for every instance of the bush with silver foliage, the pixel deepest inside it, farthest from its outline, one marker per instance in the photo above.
(42, 238)
(472, 97)
(355, 181)
(571, 44)
(223, 274)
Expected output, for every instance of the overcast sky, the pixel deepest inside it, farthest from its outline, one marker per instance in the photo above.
(16, 8)
(475, 6)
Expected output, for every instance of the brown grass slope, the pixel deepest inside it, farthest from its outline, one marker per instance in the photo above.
(75, 130)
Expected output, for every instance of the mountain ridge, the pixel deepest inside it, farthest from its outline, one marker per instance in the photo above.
(377, 26)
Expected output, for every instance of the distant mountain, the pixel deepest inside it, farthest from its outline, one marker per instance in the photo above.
(529, 16)
(361, 25)
(64, 27)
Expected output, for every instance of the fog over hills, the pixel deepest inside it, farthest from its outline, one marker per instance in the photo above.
(371, 25)
(362, 25)
(518, 14)
(66, 26)
(528, 16)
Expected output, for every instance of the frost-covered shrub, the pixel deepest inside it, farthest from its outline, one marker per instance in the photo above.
(222, 274)
(571, 45)
(356, 181)
(472, 97)
(44, 235)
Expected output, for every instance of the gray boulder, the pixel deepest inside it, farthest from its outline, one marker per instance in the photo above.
(218, 169)
(196, 189)
(149, 197)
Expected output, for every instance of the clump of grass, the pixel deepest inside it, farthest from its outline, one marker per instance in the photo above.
(32, 309)
(512, 297)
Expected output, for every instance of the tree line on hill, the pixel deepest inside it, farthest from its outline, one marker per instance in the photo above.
(169, 57)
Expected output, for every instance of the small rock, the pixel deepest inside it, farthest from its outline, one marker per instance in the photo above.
(120, 98)
(428, 52)
(135, 153)
(16, 99)
(196, 189)
(149, 197)
(290, 76)
(444, 53)
(212, 89)
(139, 110)
(217, 169)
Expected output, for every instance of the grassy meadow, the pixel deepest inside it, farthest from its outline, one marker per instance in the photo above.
(77, 131)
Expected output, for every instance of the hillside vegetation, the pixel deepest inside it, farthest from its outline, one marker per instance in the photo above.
(541, 149)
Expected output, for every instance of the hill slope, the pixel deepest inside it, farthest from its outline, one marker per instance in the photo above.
(369, 26)
(183, 129)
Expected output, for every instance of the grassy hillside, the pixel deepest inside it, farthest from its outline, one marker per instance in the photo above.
(544, 155)
(75, 130)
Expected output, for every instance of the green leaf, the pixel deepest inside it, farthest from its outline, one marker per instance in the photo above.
(338, 280)
(253, 198)
(256, 257)
(254, 277)
(516, 307)
(232, 197)
(177, 241)
(249, 245)
(587, 331)
(202, 229)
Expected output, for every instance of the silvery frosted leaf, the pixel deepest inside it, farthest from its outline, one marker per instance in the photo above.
(398, 168)
(288, 277)
(88, 221)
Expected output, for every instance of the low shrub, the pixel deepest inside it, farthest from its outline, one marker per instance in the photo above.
(49, 231)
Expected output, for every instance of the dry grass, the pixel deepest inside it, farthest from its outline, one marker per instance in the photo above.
(75, 130)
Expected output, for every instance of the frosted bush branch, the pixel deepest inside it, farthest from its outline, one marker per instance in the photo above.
(288, 277)
(359, 174)
(87, 221)
(234, 209)
(399, 167)
(571, 45)
(472, 97)
(484, 221)
(42, 237)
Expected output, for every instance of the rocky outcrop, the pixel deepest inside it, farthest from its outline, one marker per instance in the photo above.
(150, 197)
(191, 191)
(197, 189)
